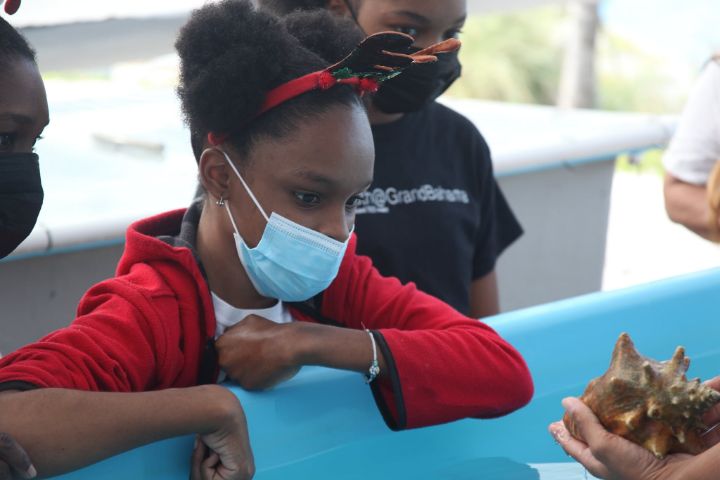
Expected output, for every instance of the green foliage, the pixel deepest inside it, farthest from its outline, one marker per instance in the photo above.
(517, 57)
(649, 161)
(632, 80)
(512, 57)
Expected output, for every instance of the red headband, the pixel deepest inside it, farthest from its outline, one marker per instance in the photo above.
(378, 58)
(322, 80)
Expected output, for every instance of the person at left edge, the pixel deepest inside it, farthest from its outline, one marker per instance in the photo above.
(23, 117)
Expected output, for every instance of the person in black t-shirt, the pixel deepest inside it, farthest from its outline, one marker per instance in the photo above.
(434, 214)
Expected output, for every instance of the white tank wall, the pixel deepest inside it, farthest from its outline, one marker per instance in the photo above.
(564, 213)
(40, 294)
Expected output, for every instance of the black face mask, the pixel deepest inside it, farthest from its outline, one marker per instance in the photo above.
(418, 85)
(21, 196)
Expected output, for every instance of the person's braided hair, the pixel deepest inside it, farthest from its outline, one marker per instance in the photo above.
(232, 55)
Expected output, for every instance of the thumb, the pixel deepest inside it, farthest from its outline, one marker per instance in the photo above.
(713, 383)
(586, 424)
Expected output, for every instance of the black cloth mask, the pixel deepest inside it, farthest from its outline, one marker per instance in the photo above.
(418, 85)
(21, 197)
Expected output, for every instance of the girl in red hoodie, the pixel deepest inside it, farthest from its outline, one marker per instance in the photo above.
(259, 276)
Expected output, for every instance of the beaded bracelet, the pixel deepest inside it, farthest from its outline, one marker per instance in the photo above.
(374, 369)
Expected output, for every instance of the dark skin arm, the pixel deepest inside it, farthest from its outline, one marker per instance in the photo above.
(687, 205)
(284, 349)
(64, 430)
(484, 298)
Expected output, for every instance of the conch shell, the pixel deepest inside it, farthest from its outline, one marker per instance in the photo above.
(648, 402)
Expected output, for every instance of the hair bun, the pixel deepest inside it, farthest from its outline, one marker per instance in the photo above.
(230, 55)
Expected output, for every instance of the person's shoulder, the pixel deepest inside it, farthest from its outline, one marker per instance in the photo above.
(441, 112)
(456, 124)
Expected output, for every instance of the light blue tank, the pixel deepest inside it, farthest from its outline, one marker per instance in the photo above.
(323, 424)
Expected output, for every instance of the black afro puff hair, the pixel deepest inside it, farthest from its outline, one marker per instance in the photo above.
(231, 55)
(13, 45)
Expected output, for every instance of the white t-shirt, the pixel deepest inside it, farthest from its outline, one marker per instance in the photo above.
(227, 316)
(695, 148)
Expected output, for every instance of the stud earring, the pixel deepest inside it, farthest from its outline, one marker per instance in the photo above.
(221, 202)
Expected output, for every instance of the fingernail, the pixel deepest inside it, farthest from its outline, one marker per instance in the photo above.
(559, 434)
(567, 403)
(31, 472)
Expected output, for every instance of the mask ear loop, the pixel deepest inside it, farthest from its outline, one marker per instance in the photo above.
(232, 220)
(247, 189)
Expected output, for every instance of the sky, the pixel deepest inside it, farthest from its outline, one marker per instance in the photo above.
(675, 28)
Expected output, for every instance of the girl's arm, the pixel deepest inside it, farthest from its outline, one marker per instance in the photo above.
(64, 430)
(258, 353)
(687, 205)
(484, 297)
(436, 365)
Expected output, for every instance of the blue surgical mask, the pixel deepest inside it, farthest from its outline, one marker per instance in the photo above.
(291, 262)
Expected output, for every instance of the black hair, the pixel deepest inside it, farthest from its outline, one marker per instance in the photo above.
(283, 7)
(232, 55)
(13, 45)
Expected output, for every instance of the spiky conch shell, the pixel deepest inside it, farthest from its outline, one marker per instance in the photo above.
(648, 402)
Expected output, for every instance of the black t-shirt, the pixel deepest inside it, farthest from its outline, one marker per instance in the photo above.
(434, 214)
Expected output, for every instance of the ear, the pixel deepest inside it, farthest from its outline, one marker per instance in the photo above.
(339, 7)
(214, 173)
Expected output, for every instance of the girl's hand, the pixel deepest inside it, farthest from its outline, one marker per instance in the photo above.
(610, 456)
(258, 353)
(712, 417)
(225, 453)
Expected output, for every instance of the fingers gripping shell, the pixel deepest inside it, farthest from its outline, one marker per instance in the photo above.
(648, 402)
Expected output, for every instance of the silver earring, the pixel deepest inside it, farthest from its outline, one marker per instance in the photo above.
(221, 202)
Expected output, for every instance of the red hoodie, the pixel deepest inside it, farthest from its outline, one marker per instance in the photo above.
(151, 327)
